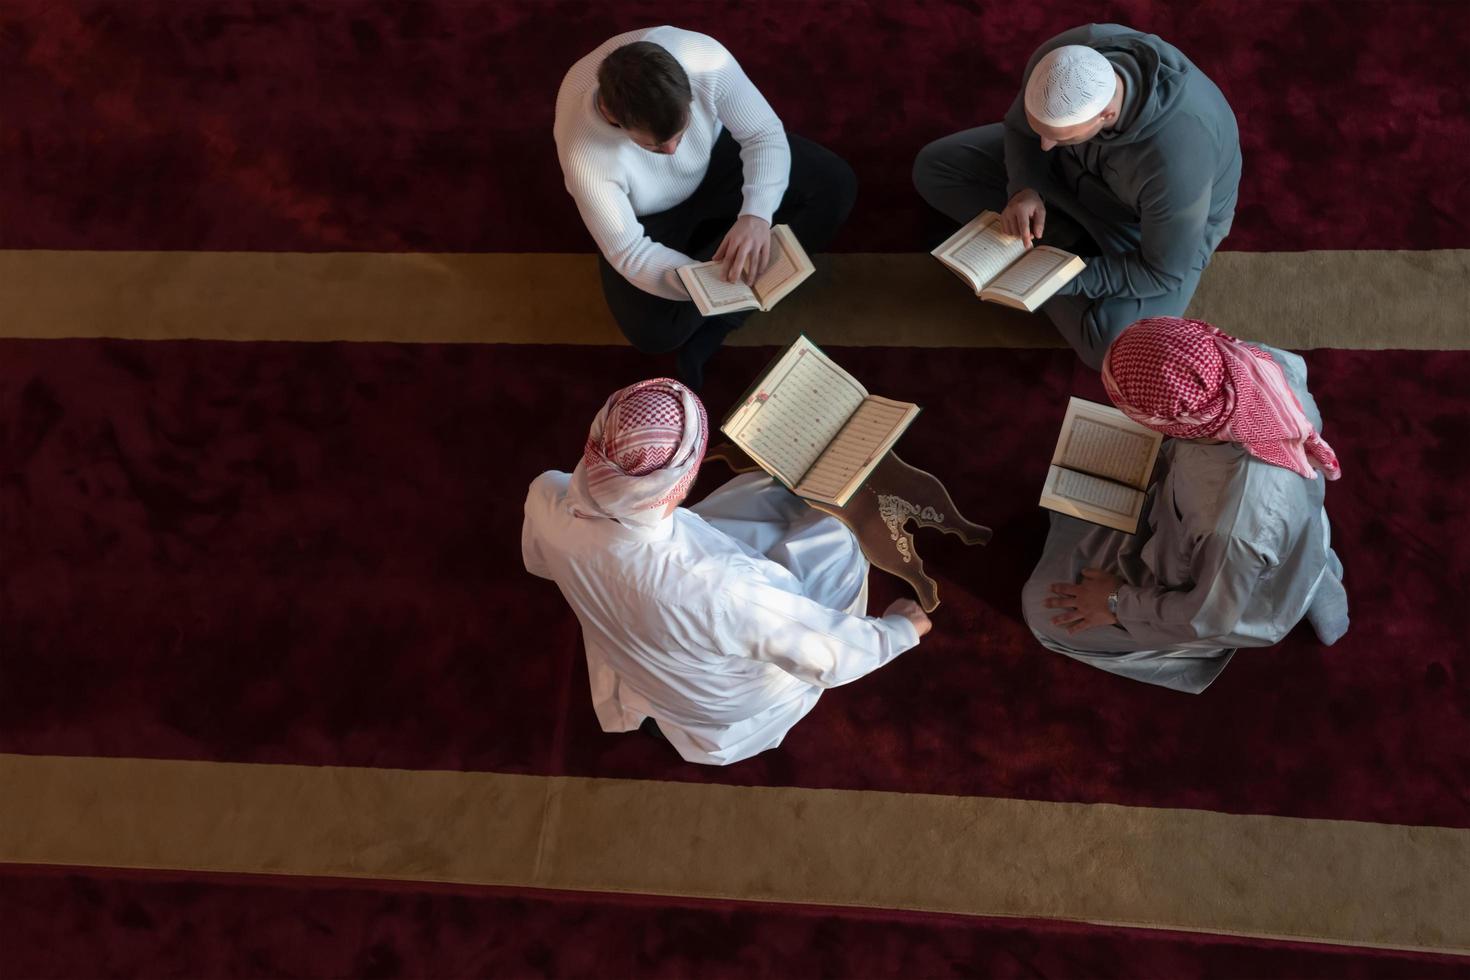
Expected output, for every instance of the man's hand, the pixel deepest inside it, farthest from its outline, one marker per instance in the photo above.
(910, 610)
(1086, 603)
(746, 249)
(1024, 216)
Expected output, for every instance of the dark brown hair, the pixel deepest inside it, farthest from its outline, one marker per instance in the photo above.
(643, 87)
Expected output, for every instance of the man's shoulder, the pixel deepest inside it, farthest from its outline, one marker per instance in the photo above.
(1277, 504)
(590, 155)
(1248, 504)
(581, 77)
(587, 156)
(1182, 136)
(1291, 363)
(695, 51)
(547, 489)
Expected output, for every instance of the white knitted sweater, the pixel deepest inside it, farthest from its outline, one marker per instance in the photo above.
(613, 179)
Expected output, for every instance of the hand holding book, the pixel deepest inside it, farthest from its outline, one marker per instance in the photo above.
(1004, 268)
(1024, 216)
(789, 266)
(745, 250)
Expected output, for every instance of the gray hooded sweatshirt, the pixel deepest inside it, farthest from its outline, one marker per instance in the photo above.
(1157, 192)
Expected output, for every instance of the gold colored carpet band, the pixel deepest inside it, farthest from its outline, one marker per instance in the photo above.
(1342, 882)
(1343, 299)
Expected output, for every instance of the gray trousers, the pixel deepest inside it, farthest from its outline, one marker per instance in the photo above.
(964, 174)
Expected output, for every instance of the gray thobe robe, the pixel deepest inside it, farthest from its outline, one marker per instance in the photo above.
(1231, 552)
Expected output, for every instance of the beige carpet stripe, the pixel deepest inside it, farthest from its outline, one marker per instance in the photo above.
(1345, 299)
(1274, 877)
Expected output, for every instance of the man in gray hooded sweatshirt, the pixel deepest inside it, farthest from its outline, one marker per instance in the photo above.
(1136, 169)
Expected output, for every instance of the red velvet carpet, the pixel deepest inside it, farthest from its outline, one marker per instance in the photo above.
(309, 553)
(169, 925)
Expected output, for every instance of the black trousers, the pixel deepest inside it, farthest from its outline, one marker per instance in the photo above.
(819, 196)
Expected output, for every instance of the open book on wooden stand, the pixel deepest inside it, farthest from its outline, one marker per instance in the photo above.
(788, 267)
(814, 427)
(1101, 467)
(1000, 268)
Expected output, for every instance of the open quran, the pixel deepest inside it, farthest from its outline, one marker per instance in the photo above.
(1101, 467)
(814, 427)
(787, 268)
(1000, 268)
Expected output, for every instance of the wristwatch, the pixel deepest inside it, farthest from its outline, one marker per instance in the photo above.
(1113, 603)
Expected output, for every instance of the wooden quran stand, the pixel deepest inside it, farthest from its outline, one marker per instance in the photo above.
(877, 513)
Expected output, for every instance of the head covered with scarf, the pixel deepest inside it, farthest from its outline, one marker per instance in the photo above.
(1187, 379)
(643, 453)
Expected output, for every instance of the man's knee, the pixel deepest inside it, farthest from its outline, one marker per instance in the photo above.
(832, 184)
(823, 177)
(656, 328)
(663, 330)
(933, 170)
(652, 324)
(652, 341)
(1073, 317)
(1105, 319)
(1100, 325)
(1096, 336)
(844, 184)
(1038, 616)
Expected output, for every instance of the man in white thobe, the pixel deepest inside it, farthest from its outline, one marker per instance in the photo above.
(723, 622)
(1234, 549)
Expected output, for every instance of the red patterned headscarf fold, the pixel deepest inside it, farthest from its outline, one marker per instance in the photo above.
(643, 451)
(1187, 379)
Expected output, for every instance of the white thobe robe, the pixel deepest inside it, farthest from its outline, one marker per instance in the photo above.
(724, 622)
(1231, 552)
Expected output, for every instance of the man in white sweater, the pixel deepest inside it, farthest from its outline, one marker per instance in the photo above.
(673, 157)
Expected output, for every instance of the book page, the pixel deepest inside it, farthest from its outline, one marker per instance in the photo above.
(721, 293)
(985, 251)
(795, 411)
(860, 444)
(1025, 275)
(1103, 441)
(1094, 492)
(781, 270)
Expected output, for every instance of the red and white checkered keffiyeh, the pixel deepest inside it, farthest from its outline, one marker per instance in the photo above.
(1187, 379)
(643, 451)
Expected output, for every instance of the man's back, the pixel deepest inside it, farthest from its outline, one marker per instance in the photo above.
(650, 603)
(1224, 512)
(724, 647)
(686, 624)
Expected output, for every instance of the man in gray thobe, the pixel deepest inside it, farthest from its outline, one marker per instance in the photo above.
(1234, 546)
(1119, 149)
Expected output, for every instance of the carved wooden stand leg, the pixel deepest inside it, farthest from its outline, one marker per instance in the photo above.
(928, 503)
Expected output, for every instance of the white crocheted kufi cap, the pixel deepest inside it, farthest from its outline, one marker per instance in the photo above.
(1070, 85)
